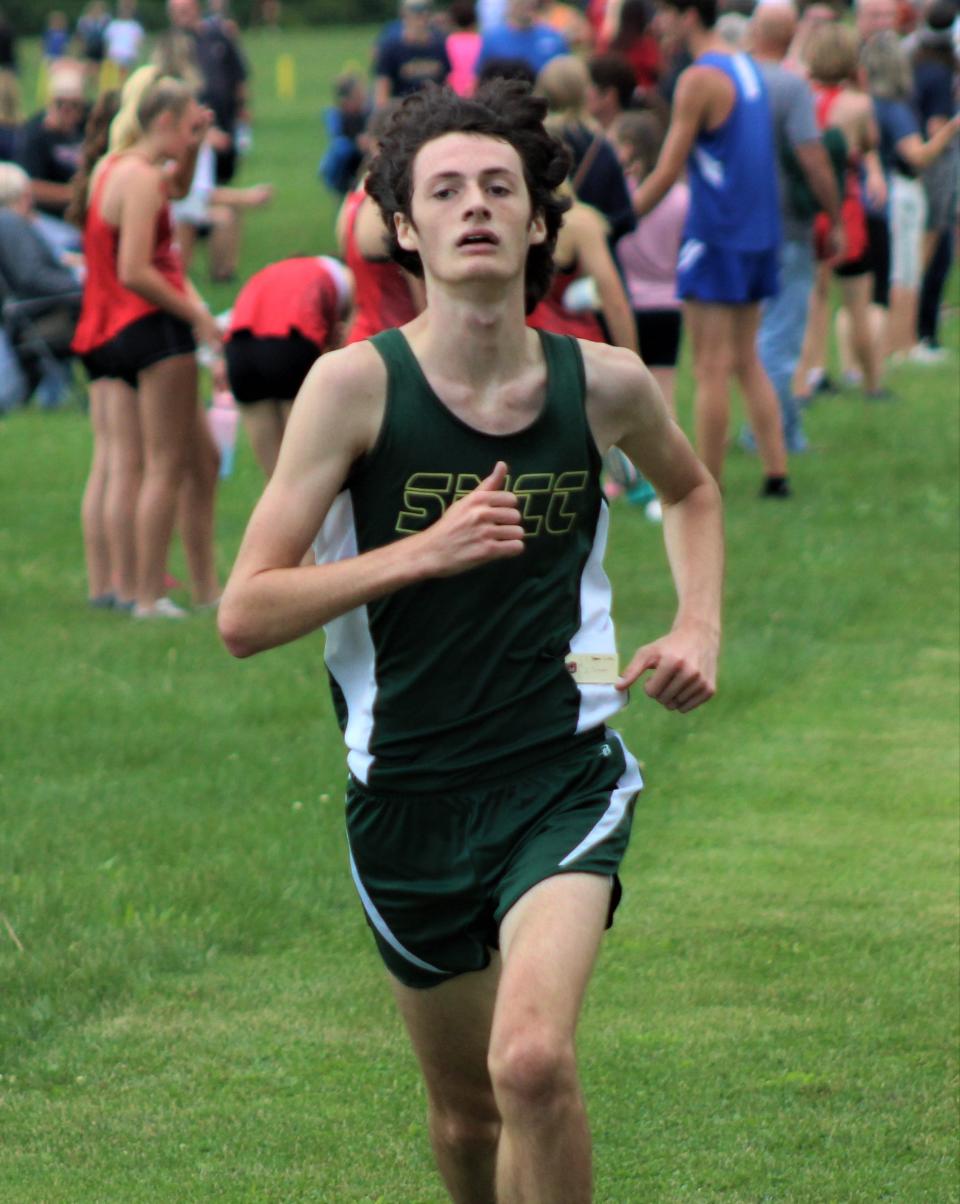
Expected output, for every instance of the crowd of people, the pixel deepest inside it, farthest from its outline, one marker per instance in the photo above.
(727, 164)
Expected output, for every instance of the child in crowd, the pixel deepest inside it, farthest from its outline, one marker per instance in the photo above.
(648, 256)
(56, 37)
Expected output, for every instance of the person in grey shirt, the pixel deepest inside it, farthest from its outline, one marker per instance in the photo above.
(31, 273)
(784, 317)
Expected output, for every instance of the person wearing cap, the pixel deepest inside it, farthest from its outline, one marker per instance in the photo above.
(48, 149)
(410, 55)
(284, 318)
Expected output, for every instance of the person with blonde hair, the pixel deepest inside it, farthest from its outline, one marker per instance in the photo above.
(595, 175)
(863, 272)
(141, 321)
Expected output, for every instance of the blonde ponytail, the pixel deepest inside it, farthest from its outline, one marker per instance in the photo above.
(146, 94)
(125, 128)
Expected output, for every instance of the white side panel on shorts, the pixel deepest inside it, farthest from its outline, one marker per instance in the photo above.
(596, 634)
(377, 920)
(630, 783)
(349, 651)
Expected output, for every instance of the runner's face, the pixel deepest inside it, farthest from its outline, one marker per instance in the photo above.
(471, 211)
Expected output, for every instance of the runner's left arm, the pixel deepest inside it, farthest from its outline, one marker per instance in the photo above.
(626, 409)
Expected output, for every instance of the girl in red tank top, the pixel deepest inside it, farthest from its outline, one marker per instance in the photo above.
(137, 325)
(382, 297)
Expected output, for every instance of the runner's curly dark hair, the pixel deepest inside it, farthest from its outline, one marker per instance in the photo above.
(502, 108)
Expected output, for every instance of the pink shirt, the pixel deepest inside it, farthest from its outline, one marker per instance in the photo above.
(648, 255)
(463, 49)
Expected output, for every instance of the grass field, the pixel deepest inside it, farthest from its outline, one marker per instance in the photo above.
(190, 1006)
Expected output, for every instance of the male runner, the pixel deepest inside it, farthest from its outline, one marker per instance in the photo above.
(453, 466)
(721, 131)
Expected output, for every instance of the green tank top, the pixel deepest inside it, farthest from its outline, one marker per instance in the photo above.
(459, 680)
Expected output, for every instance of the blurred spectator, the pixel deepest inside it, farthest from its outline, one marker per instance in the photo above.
(811, 18)
(214, 212)
(721, 132)
(634, 39)
(732, 27)
(864, 271)
(8, 44)
(44, 292)
(124, 38)
(569, 21)
(411, 56)
(524, 36)
(904, 154)
(91, 35)
(648, 255)
(582, 256)
(224, 75)
(463, 47)
(610, 90)
(875, 16)
(384, 294)
(798, 144)
(667, 28)
(596, 175)
(935, 67)
(56, 37)
(345, 123)
(10, 114)
(284, 318)
(48, 149)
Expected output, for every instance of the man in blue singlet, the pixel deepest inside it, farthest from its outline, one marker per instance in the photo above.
(721, 131)
(452, 468)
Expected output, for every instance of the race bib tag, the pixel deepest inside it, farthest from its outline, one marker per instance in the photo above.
(593, 668)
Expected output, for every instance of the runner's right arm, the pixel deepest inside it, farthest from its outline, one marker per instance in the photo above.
(271, 598)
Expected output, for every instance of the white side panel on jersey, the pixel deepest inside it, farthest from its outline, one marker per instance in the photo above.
(630, 783)
(596, 634)
(349, 652)
(748, 76)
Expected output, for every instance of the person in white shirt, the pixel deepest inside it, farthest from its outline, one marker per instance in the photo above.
(124, 38)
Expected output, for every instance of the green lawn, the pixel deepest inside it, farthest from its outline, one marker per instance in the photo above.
(190, 1006)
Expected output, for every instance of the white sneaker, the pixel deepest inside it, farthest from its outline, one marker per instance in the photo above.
(924, 353)
(163, 608)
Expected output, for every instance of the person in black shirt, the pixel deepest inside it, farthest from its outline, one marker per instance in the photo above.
(224, 75)
(48, 149)
(410, 56)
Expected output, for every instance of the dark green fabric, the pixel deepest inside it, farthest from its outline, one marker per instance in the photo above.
(470, 673)
(800, 198)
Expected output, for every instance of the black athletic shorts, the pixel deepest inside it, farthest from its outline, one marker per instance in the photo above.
(658, 334)
(97, 365)
(876, 259)
(268, 369)
(145, 342)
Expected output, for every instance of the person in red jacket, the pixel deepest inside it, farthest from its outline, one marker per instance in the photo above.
(284, 318)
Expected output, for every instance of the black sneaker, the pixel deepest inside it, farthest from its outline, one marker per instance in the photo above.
(776, 487)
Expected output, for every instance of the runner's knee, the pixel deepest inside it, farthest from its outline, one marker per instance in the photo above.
(532, 1067)
(466, 1130)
